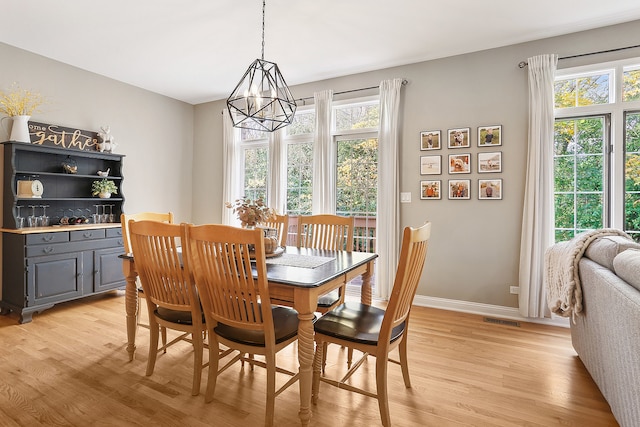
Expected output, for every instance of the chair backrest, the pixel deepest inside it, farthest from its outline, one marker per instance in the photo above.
(220, 258)
(158, 258)
(332, 232)
(413, 254)
(280, 223)
(142, 216)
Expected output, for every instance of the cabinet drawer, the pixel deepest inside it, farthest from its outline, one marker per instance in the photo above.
(80, 235)
(44, 238)
(114, 232)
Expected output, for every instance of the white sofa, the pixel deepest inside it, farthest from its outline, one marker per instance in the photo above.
(606, 335)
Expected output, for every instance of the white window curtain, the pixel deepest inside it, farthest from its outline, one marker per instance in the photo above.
(324, 157)
(537, 218)
(388, 223)
(277, 182)
(231, 179)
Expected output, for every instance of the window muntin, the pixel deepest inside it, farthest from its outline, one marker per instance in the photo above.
(584, 90)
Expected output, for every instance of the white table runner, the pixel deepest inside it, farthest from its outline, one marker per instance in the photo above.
(297, 260)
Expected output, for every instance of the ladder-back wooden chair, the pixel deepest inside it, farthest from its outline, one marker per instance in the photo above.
(172, 299)
(330, 232)
(237, 306)
(280, 223)
(375, 331)
(124, 223)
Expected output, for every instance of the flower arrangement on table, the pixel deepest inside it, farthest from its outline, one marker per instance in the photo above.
(250, 212)
(19, 102)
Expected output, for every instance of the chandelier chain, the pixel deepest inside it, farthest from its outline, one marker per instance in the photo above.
(263, 7)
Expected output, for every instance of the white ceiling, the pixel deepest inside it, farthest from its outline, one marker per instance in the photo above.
(197, 50)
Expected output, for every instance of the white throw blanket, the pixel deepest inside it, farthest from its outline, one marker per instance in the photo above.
(562, 280)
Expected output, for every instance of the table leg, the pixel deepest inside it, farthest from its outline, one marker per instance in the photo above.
(305, 359)
(365, 290)
(131, 305)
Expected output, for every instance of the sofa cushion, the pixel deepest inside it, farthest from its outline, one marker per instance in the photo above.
(627, 266)
(604, 249)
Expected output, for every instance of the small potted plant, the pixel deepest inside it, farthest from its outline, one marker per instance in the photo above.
(250, 212)
(104, 188)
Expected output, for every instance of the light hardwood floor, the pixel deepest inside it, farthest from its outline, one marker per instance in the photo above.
(70, 368)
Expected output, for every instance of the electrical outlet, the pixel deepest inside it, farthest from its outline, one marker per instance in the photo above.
(514, 289)
(405, 197)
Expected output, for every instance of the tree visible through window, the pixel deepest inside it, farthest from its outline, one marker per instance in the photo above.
(597, 149)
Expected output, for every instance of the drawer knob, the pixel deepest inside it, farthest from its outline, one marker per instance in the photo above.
(87, 234)
(48, 249)
(47, 237)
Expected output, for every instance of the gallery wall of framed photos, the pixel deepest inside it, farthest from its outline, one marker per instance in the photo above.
(460, 161)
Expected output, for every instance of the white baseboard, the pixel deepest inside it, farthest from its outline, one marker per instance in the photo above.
(510, 313)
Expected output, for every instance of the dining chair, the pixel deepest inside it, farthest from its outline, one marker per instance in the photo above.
(124, 223)
(330, 232)
(375, 331)
(172, 299)
(237, 306)
(280, 223)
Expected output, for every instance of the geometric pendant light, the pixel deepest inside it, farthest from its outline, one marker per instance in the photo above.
(261, 100)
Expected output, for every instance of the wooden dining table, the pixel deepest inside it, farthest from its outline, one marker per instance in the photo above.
(297, 277)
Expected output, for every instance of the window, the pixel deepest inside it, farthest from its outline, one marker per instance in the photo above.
(255, 163)
(597, 149)
(580, 175)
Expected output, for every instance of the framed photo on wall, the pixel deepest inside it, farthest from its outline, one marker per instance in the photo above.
(459, 189)
(490, 189)
(490, 162)
(430, 140)
(430, 165)
(459, 138)
(430, 190)
(460, 163)
(489, 136)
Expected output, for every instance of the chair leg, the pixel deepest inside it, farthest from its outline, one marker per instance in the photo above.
(163, 333)
(198, 348)
(381, 386)
(404, 362)
(271, 390)
(319, 359)
(325, 346)
(153, 344)
(214, 359)
(349, 357)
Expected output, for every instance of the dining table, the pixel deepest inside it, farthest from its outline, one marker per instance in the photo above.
(296, 277)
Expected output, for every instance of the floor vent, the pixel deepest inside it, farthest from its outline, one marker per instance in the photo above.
(502, 322)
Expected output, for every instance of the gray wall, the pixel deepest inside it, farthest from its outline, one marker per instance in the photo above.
(475, 246)
(153, 131)
(174, 150)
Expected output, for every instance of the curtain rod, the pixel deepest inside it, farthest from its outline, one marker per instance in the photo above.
(523, 64)
(404, 82)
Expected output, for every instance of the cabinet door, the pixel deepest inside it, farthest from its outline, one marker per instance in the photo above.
(108, 269)
(54, 278)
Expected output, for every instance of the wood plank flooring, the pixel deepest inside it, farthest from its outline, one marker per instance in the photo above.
(70, 368)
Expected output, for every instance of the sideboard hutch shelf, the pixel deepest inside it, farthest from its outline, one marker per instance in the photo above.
(43, 266)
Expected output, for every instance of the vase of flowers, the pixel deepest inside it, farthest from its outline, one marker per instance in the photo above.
(19, 105)
(250, 212)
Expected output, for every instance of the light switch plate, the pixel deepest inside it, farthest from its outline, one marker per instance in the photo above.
(405, 197)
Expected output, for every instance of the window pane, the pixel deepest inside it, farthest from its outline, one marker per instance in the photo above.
(252, 134)
(255, 173)
(631, 84)
(303, 123)
(582, 91)
(361, 116)
(299, 178)
(579, 174)
(632, 174)
(357, 188)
